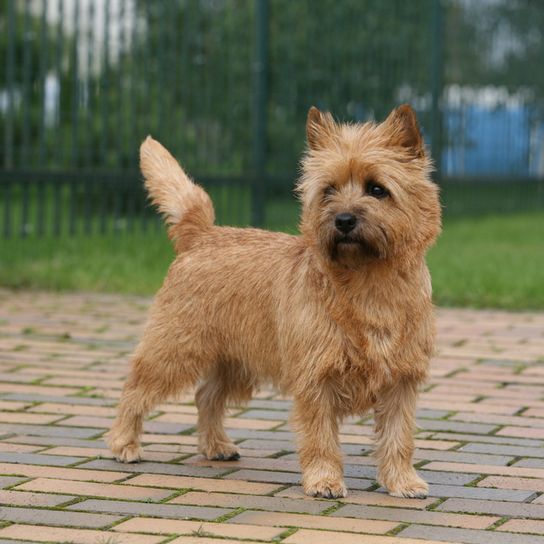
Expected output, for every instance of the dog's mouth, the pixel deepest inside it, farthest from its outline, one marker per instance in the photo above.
(352, 243)
(346, 240)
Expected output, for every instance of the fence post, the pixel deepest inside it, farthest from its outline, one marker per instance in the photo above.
(259, 113)
(437, 67)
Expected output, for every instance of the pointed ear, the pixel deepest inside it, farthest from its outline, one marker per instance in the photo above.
(319, 126)
(403, 130)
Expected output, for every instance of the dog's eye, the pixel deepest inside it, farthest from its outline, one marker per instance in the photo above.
(329, 191)
(375, 190)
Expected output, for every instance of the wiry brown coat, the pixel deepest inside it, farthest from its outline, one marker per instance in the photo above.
(343, 323)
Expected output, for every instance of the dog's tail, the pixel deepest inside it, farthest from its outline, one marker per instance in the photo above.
(186, 207)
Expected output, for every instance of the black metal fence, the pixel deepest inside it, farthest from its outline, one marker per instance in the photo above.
(226, 84)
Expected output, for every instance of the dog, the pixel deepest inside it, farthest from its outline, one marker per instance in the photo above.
(339, 317)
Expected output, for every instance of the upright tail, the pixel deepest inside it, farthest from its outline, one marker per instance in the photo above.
(186, 207)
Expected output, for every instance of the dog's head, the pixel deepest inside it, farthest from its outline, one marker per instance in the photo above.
(366, 189)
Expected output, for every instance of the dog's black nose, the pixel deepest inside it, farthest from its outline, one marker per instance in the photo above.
(345, 222)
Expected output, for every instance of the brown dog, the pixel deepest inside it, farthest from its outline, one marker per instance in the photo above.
(340, 317)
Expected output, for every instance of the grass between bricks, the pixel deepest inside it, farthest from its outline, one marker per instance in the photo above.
(493, 261)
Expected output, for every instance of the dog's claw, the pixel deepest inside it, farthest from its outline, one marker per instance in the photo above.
(228, 453)
(226, 457)
(131, 453)
(414, 489)
(327, 490)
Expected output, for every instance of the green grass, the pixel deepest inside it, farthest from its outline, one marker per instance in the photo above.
(495, 261)
(487, 262)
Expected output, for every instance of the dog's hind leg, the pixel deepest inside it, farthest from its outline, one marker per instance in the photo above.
(211, 400)
(153, 379)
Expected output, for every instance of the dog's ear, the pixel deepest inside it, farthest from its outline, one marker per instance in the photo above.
(403, 130)
(319, 126)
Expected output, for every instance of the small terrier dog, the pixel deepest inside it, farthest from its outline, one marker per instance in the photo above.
(340, 317)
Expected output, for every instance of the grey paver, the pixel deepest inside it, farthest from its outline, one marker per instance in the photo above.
(467, 536)
(57, 517)
(172, 511)
(154, 468)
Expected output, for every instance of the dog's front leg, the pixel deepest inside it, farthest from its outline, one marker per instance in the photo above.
(395, 426)
(319, 448)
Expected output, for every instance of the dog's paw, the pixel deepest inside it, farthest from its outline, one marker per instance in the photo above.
(327, 489)
(221, 452)
(129, 453)
(412, 488)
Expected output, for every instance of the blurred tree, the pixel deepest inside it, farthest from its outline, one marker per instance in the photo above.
(30, 89)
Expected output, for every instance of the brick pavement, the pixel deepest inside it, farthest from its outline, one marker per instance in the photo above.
(62, 363)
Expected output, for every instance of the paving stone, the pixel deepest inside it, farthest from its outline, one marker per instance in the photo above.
(468, 536)
(462, 492)
(266, 414)
(49, 430)
(37, 459)
(153, 468)
(57, 517)
(447, 478)
(487, 469)
(313, 522)
(310, 536)
(462, 457)
(57, 441)
(491, 439)
(89, 489)
(22, 498)
(264, 476)
(34, 471)
(454, 426)
(149, 509)
(517, 510)
(522, 526)
(529, 463)
(273, 504)
(60, 399)
(521, 451)
(42, 533)
(204, 484)
(209, 540)
(170, 526)
(416, 516)
(8, 481)
(506, 482)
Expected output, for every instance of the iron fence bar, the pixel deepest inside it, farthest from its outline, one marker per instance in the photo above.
(27, 67)
(43, 67)
(40, 212)
(73, 201)
(437, 66)
(25, 202)
(124, 104)
(7, 209)
(58, 72)
(57, 209)
(10, 80)
(133, 82)
(87, 203)
(260, 67)
(91, 84)
(104, 86)
(161, 76)
(75, 86)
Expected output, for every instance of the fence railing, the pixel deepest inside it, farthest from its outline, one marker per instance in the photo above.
(226, 86)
